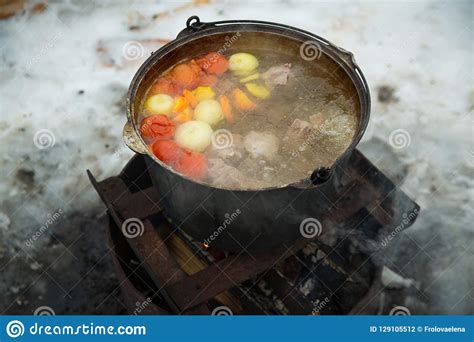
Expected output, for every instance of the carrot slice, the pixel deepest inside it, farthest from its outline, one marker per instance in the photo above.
(190, 98)
(242, 101)
(180, 104)
(184, 116)
(226, 108)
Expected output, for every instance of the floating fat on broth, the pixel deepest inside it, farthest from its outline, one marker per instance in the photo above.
(249, 119)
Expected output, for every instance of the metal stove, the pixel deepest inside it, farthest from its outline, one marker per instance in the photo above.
(161, 270)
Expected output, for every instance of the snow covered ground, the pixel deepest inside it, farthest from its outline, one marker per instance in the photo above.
(64, 74)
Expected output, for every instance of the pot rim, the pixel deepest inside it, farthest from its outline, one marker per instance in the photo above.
(198, 29)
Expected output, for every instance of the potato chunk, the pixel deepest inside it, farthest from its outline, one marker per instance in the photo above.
(194, 135)
(242, 63)
(159, 104)
(209, 111)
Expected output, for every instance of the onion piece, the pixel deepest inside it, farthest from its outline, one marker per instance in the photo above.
(159, 104)
(242, 63)
(194, 135)
(209, 111)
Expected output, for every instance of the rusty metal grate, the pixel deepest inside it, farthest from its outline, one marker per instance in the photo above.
(182, 277)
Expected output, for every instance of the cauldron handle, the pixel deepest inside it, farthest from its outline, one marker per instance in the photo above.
(132, 140)
(330, 174)
(194, 24)
(320, 175)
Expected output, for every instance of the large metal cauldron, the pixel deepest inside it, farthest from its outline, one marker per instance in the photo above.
(235, 219)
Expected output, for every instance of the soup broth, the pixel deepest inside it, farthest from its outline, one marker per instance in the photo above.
(249, 119)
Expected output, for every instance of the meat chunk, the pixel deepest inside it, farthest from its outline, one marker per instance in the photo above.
(316, 120)
(262, 144)
(299, 129)
(222, 174)
(300, 135)
(277, 75)
(231, 154)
